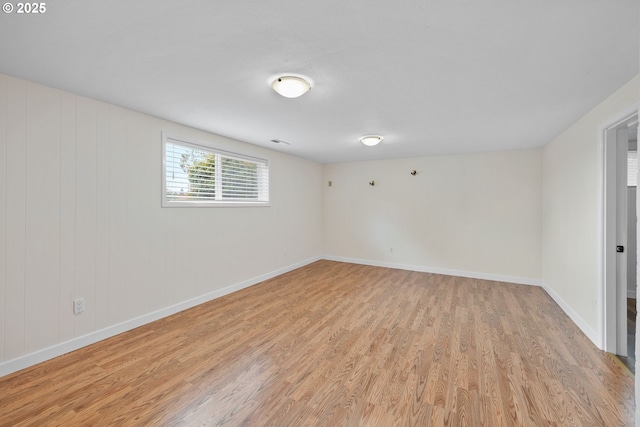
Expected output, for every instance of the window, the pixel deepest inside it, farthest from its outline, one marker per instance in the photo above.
(198, 175)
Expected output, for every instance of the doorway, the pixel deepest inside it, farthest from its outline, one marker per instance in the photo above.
(620, 237)
(632, 252)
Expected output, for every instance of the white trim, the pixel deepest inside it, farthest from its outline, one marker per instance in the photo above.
(31, 359)
(436, 270)
(631, 294)
(39, 356)
(616, 120)
(592, 334)
(619, 118)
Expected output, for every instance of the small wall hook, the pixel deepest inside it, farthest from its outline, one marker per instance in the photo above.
(372, 183)
(413, 172)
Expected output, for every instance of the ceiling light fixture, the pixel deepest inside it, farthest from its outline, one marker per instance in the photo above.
(371, 140)
(291, 86)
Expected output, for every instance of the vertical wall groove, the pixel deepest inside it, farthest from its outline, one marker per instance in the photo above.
(15, 219)
(24, 235)
(60, 307)
(3, 213)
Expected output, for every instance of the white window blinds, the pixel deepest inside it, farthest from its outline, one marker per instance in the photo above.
(202, 176)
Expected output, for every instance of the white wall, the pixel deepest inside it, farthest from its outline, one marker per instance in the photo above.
(572, 186)
(632, 251)
(80, 216)
(473, 214)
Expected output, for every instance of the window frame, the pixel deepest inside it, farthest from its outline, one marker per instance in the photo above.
(209, 148)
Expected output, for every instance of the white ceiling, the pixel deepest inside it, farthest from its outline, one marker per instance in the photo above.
(432, 76)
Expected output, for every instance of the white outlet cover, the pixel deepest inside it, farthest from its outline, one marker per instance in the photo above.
(78, 306)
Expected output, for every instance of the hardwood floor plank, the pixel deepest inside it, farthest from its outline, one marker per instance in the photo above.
(338, 344)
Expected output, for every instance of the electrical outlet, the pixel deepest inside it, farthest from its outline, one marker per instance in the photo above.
(78, 305)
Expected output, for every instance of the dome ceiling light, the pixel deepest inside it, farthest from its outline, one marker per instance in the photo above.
(371, 140)
(291, 86)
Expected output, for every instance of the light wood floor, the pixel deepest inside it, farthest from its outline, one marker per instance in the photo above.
(336, 344)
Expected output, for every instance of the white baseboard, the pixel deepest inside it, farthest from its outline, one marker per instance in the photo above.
(593, 335)
(436, 270)
(632, 294)
(584, 327)
(34, 358)
(39, 356)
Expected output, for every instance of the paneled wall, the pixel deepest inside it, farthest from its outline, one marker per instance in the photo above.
(80, 216)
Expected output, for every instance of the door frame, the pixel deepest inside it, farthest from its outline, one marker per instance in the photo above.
(608, 295)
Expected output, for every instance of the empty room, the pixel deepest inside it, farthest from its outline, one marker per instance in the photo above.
(410, 213)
